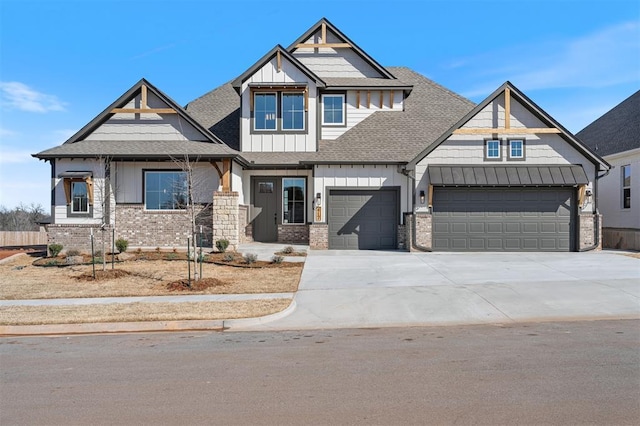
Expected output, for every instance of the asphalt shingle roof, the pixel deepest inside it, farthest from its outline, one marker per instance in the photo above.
(383, 137)
(617, 130)
(138, 149)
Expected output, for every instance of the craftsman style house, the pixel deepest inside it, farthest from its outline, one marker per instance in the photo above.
(616, 137)
(318, 143)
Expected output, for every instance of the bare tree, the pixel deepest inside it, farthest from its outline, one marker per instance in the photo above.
(197, 211)
(21, 218)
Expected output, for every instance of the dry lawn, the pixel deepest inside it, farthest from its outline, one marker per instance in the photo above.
(120, 312)
(19, 279)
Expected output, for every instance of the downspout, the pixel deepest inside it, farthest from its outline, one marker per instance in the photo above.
(414, 242)
(596, 217)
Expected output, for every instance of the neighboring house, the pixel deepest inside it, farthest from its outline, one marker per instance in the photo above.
(319, 144)
(616, 137)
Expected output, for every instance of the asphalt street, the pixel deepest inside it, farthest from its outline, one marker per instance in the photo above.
(538, 373)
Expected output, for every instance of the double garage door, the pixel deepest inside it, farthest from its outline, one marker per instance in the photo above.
(363, 219)
(505, 219)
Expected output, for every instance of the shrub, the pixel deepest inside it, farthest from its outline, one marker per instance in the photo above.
(157, 249)
(250, 258)
(73, 252)
(55, 249)
(228, 257)
(277, 259)
(222, 245)
(287, 250)
(97, 253)
(121, 245)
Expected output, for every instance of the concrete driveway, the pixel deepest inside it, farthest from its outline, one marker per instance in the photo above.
(342, 289)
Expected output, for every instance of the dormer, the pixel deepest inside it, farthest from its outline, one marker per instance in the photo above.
(278, 105)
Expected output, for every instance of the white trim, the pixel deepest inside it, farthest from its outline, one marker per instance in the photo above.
(73, 183)
(344, 109)
(521, 148)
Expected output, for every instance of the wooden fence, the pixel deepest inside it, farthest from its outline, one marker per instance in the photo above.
(22, 238)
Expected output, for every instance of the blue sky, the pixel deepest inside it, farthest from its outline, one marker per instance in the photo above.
(63, 62)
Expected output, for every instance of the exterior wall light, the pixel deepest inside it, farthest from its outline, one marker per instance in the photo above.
(421, 197)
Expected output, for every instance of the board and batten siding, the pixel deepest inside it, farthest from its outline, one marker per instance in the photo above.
(59, 209)
(141, 127)
(329, 62)
(355, 115)
(281, 141)
(128, 179)
(540, 149)
(356, 176)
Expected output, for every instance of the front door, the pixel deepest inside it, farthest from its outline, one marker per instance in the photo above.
(265, 203)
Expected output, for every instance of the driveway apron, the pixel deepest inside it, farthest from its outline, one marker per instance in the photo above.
(372, 289)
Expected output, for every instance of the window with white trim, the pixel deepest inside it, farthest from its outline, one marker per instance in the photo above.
(333, 110)
(79, 197)
(165, 190)
(293, 200)
(626, 186)
(516, 149)
(492, 149)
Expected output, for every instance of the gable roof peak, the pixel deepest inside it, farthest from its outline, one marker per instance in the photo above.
(324, 25)
(277, 50)
(142, 86)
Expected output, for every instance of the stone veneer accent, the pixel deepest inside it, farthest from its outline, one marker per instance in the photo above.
(226, 218)
(78, 237)
(148, 228)
(319, 236)
(423, 229)
(293, 234)
(586, 233)
(402, 237)
(621, 238)
(246, 229)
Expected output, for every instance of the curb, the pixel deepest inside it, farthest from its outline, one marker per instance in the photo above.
(141, 326)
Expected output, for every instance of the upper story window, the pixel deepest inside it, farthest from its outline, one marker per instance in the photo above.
(292, 111)
(283, 110)
(626, 186)
(333, 110)
(516, 149)
(492, 149)
(265, 111)
(79, 197)
(165, 190)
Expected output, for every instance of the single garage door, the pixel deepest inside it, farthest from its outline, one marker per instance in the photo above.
(363, 219)
(505, 219)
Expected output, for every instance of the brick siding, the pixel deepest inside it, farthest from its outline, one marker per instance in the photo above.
(293, 234)
(319, 236)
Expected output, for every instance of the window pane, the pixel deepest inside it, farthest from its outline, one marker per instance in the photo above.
(333, 109)
(265, 111)
(493, 149)
(292, 111)
(79, 198)
(626, 198)
(166, 190)
(293, 199)
(516, 149)
(626, 176)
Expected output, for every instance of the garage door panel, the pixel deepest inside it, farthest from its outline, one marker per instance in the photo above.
(363, 219)
(512, 219)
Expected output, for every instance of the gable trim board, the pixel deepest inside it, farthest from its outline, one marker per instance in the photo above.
(531, 107)
(330, 27)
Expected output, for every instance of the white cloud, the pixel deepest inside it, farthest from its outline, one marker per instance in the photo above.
(19, 96)
(605, 58)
